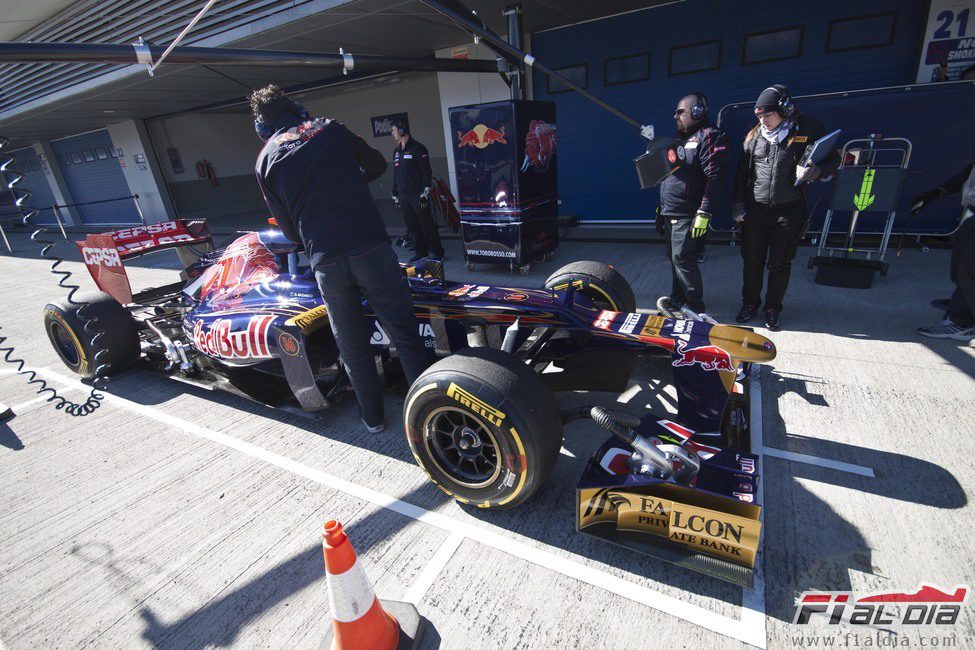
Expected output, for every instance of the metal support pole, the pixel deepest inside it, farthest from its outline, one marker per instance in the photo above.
(138, 208)
(57, 217)
(515, 36)
(5, 240)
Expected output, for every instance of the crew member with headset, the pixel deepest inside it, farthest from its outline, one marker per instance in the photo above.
(313, 173)
(769, 198)
(412, 178)
(958, 322)
(687, 197)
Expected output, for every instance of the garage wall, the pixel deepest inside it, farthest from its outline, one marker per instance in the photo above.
(228, 142)
(596, 176)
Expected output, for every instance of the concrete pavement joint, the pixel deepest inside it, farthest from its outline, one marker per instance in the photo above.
(744, 630)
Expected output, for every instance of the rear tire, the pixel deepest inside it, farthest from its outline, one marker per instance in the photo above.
(66, 331)
(484, 427)
(600, 282)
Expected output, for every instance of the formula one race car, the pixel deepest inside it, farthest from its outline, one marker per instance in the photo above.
(482, 420)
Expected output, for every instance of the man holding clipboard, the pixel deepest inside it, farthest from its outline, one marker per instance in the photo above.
(781, 154)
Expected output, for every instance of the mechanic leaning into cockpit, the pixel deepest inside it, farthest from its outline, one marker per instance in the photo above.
(313, 173)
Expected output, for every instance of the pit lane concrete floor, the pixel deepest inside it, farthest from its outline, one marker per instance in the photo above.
(176, 517)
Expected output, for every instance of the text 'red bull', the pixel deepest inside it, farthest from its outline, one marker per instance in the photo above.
(710, 357)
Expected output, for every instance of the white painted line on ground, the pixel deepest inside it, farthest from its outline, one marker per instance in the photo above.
(430, 572)
(821, 462)
(566, 566)
(40, 398)
(753, 600)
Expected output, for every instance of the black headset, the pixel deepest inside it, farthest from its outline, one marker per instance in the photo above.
(265, 131)
(700, 107)
(787, 108)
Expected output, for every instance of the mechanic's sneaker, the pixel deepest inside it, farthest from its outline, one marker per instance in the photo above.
(946, 329)
(379, 428)
(415, 259)
(746, 314)
(772, 320)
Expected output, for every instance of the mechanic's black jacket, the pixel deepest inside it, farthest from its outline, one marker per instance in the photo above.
(313, 176)
(411, 168)
(694, 186)
(962, 181)
(766, 172)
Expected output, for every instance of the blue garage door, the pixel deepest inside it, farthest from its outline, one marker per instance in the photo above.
(644, 62)
(35, 181)
(92, 173)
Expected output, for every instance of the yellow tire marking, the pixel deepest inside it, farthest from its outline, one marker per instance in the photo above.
(605, 295)
(83, 363)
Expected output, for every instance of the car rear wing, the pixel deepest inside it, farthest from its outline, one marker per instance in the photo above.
(104, 253)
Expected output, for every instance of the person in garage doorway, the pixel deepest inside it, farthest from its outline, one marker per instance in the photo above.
(412, 179)
(687, 197)
(313, 173)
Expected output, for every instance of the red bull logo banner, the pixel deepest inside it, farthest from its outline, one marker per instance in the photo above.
(221, 341)
(481, 136)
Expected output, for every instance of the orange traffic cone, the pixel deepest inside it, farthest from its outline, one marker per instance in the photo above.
(360, 621)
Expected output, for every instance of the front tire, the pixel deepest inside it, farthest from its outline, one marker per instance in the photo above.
(601, 283)
(66, 331)
(484, 427)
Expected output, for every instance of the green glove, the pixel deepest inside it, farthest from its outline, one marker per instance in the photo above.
(700, 225)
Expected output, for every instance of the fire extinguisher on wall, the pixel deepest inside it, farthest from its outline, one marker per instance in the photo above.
(204, 169)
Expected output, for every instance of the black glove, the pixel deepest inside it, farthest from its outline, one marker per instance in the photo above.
(920, 201)
(659, 223)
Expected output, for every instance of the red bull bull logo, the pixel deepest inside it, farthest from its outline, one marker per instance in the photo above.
(710, 357)
(481, 136)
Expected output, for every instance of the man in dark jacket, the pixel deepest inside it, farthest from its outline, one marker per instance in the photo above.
(958, 322)
(313, 173)
(770, 201)
(412, 179)
(687, 197)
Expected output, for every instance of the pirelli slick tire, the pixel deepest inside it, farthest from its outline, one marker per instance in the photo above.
(484, 427)
(66, 331)
(600, 282)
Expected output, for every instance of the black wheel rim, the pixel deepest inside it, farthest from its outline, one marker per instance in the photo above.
(64, 344)
(462, 447)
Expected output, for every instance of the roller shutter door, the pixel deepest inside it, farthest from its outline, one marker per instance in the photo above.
(92, 173)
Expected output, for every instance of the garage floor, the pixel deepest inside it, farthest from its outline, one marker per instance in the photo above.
(176, 517)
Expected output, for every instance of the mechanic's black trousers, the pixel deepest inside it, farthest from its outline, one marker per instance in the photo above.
(419, 221)
(682, 249)
(373, 272)
(961, 307)
(770, 236)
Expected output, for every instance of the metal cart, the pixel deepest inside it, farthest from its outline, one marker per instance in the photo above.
(868, 180)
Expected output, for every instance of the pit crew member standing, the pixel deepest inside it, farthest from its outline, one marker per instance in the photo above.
(767, 201)
(412, 179)
(313, 173)
(687, 197)
(959, 319)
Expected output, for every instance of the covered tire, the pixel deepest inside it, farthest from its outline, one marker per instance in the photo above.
(66, 331)
(600, 282)
(484, 427)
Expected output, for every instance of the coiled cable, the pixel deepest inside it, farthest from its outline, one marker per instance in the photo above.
(11, 178)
